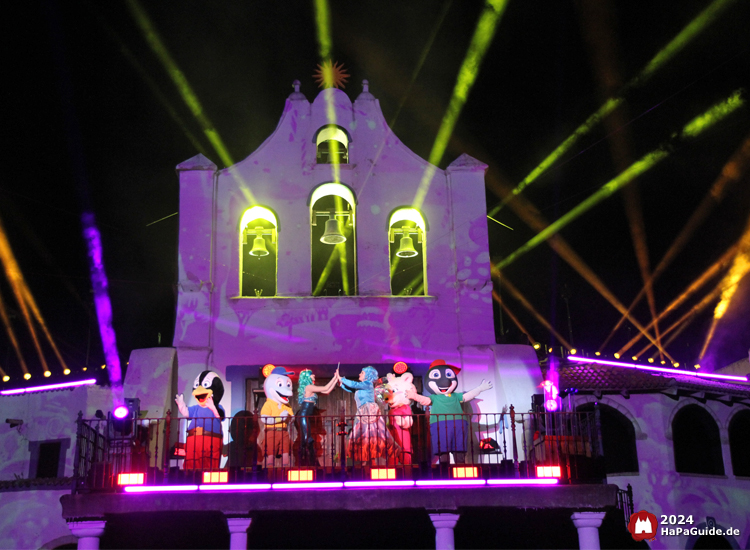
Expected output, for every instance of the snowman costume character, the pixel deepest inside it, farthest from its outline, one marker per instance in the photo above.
(205, 436)
(276, 414)
(448, 427)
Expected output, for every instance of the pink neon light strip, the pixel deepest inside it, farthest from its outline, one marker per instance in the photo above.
(237, 487)
(49, 387)
(658, 369)
(161, 489)
(544, 481)
(450, 482)
(328, 485)
(378, 484)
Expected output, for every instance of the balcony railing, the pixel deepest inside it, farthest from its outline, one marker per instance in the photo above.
(165, 451)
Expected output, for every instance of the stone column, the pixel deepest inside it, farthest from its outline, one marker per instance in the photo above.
(238, 532)
(88, 533)
(444, 524)
(588, 524)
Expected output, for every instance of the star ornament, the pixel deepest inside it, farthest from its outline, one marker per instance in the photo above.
(331, 75)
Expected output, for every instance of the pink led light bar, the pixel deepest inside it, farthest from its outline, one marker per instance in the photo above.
(160, 489)
(379, 484)
(544, 481)
(578, 359)
(322, 485)
(450, 482)
(237, 487)
(49, 387)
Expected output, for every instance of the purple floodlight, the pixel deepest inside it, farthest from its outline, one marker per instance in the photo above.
(451, 482)
(542, 481)
(49, 387)
(160, 489)
(121, 412)
(379, 484)
(322, 485)
(578, 359)
(236, 487)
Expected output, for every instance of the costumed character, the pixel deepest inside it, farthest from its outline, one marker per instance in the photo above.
(400, 412)
(243, 449)
(369, 440)
(448, 428)
(276, 414)
(204, 437)
(307, 396)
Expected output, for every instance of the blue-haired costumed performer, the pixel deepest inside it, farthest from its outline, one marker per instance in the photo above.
(307, 397)
(369, 440)
(448, 427)
(205, 436)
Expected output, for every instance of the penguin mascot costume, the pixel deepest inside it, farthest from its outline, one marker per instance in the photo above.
(448, 427)
(204, 437)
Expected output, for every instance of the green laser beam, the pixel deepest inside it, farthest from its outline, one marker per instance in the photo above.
(701, 22)
(692, 129)
(323, 24)
(467, 74)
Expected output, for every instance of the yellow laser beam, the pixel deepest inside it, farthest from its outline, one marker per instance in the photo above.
(12, 335)
(499, 300)
(700, 23)
(538, 316)
(691, 289)
(731, 173)
(38, 315)
(323, 25)
(467, 74)
(179, 79)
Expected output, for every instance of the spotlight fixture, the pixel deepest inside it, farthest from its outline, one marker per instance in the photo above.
(27, 376)
(634, 358)
(676, 364)
(6, 378)
(650, 359)
(537, 345)
(47, 374)
(332, 233)
(400, 367)
(597, 353)
(66, 372)
(697, 366)
(617, 355)
(663, 362)
(104, 366)
(573, 351)
(406, 245)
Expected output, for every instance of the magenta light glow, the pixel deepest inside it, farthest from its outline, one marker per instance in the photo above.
(237, 487)
(450, 482)
(322, 485)
(578, 359)
(121, 412)
(103, 306)
(544, 481)
(378, 484)
(49, 387)
(160, 489)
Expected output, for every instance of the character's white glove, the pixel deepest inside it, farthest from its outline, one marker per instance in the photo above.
(485, 385)
(180, 400)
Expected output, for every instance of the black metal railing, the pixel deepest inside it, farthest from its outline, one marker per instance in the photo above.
(245, 449)
(625, 502)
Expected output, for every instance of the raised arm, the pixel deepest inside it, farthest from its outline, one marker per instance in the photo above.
(181, 405)
(421, 399)
(484, 386)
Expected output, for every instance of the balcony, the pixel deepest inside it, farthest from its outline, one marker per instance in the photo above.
(348, 451)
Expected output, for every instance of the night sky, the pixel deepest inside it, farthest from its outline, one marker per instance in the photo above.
(92, 120)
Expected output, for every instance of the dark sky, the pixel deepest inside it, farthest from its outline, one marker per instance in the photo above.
(92, 118)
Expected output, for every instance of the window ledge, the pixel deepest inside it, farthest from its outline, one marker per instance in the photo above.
(357, 296)
(329, 164)
(742, 478)
(623, 474)
(713, 476)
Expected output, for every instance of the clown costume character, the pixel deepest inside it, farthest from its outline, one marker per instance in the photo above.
(369, 440)
(205, 436)
(276, 415)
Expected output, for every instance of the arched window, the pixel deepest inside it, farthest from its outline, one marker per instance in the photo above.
(332, 145)
(406, 235)
(697, 446)
(618, 439)
(333, 240)
(739, 443)
(258, 252)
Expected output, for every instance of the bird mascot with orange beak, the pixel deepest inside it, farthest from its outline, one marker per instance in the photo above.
(205, 436)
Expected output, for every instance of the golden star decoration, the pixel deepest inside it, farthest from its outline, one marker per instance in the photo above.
(331, 75)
